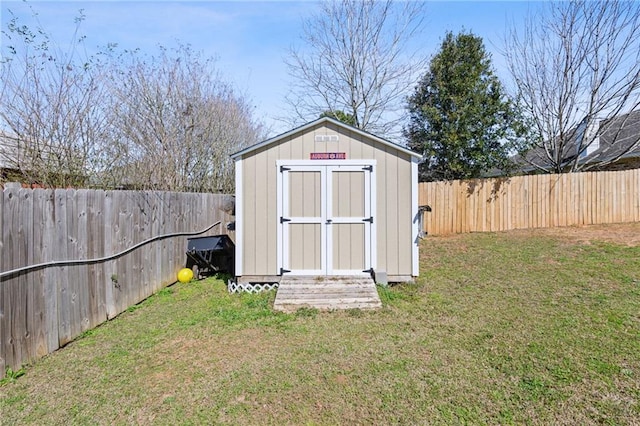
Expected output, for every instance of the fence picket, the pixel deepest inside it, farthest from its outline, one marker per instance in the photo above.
(3, 322)
(2, 295)
(12, 306)
(95, 248)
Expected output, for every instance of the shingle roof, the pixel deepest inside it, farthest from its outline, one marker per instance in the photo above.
(619, 139)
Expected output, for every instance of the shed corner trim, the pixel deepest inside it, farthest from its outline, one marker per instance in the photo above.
(239, 215)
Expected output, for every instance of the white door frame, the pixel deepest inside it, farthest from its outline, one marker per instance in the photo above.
(326, 168)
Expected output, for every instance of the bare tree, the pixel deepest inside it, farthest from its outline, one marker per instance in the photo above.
(575, 67)
(176, 123)
(357, 61)
(51, 114)
(115, 120)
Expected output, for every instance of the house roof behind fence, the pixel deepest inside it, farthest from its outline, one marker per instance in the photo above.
(619, 139)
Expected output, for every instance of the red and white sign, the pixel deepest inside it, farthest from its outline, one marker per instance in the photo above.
(328, 156)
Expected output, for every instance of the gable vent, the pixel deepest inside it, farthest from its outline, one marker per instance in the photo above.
(326, 138)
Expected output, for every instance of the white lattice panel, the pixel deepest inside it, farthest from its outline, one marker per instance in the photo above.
(235, 287)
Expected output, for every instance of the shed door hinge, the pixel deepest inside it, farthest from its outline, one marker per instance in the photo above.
(369, 219)
(283, 169)
(369, 168)
(284, 271)
(284, 219)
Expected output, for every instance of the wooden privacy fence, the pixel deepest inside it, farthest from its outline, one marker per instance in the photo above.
(44, 309)
(536, 201)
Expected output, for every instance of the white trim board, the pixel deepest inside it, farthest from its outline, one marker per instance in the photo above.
(286, 163)
(239, 217)
(415, 231)
(279, 213)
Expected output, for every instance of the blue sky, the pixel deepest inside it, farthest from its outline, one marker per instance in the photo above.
(249, 38)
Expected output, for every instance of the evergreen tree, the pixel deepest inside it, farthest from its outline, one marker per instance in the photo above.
(460, 118)
(340, 116)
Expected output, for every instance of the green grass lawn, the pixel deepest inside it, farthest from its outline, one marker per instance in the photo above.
(508, 328)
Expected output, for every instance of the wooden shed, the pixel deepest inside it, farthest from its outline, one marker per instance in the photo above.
(326, 199)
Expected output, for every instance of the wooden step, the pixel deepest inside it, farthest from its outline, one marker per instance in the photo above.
(326, 293)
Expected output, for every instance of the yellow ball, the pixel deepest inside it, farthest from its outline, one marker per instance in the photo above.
(185, 275)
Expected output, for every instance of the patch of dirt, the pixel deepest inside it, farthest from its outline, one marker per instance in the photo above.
(620, 233)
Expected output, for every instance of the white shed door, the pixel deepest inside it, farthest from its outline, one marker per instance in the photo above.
(325, 222)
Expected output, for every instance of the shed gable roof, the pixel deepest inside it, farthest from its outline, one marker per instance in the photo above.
(312, 124)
